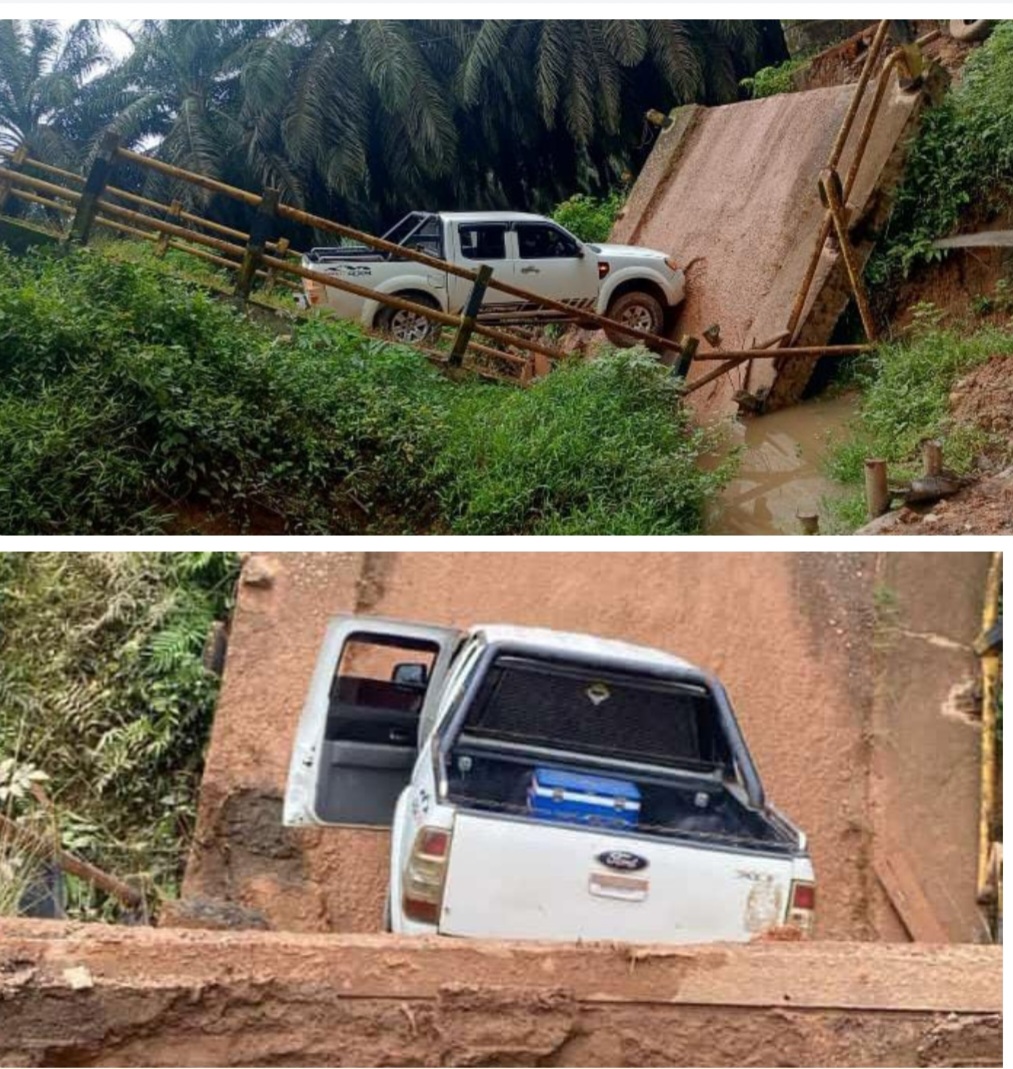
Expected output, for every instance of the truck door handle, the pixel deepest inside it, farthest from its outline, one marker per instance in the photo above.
(530, 271)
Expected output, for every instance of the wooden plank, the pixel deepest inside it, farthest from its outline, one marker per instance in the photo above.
(895, 872)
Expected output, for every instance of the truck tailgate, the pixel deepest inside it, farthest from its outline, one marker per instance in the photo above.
(525, 879)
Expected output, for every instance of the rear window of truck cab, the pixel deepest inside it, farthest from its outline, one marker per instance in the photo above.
(579, 709)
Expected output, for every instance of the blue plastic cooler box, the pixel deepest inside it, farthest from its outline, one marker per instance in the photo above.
(577, 798)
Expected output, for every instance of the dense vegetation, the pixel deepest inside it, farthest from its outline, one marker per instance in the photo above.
(590, 218)
(128, 397)
(960, 165)
(105, 709)
(364, 119)
(905, 399)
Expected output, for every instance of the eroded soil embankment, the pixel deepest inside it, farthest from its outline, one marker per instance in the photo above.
(93, 995)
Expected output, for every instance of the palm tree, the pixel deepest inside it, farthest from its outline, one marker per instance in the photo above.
(43, 78)
(179, 94)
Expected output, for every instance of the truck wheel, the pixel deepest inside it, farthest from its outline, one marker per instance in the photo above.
(639, 310)
(409, 328)
(971, 29)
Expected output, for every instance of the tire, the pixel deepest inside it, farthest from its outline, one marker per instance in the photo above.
(409, 328)
(637, 310)
(971, 29)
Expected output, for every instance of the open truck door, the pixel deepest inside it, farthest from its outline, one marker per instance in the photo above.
(357, 738)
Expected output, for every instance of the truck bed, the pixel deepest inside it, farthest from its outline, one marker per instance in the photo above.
(694, 807)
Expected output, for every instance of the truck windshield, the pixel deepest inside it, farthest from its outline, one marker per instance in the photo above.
(576, 709)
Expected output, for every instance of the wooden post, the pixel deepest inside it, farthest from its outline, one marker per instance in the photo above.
(877, 496)
(688, 346)
(260, 231)
(810, 523)
(174, 215)
(932, 458)
(94, 186)
(471, 307)
(832, 195)
(19, 157)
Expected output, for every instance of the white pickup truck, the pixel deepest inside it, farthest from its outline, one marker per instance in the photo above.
(634, 286)
(544, 785)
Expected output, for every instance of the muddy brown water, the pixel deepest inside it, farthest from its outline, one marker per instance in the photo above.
(780, 472)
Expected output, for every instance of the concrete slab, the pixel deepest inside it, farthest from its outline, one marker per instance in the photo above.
(732, 193)
(791, 635)
(96, 995)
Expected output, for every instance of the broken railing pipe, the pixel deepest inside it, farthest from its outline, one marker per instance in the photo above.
(877, 494)
(932, 458)
(778, 354)
(128, 895)
(396, 302)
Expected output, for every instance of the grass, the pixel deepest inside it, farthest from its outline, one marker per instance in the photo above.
(960, 163)
(129, 397)
(906, 387)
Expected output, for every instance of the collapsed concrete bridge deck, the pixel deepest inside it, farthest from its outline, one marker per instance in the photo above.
(732, 193)
(846, 672)
(92, 995)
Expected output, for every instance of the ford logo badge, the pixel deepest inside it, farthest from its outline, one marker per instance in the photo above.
(623, 860)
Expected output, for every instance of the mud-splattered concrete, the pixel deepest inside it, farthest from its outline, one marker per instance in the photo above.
(732, 193)
(93, 995)
(794, 637)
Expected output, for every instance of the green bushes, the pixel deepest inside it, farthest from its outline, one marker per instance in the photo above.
(906, 389)
(103, 690)
(589, 218)
(593, 447)
(128, 397)
(962, 158)
(770, 81)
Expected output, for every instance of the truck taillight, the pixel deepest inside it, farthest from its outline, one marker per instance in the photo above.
(802, 906)
(313, 290)
(425, 874)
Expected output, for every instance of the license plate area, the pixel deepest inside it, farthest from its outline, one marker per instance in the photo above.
(623, 888)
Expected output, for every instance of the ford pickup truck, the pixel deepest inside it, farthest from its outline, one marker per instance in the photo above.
(545, 785)
(632, 285)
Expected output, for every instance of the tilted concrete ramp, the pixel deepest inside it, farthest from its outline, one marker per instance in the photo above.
(97, 995)
(822, 683)
(732, 192)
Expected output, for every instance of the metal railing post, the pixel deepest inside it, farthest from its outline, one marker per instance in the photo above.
(832, 195)
(94, 187)
(688, 344)
(260, 232)
(471, 307)
(174, 214)
(18, 158)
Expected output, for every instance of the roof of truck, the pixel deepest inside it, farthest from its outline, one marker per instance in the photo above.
(608, 649)
(492, 217)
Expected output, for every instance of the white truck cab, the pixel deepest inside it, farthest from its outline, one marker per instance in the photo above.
(632, 285)
(545, 785)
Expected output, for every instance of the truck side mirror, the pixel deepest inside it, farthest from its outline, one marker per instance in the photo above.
(411, 674)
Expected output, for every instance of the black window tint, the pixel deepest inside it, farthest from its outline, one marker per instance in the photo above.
(484, 242)
(544, 242)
